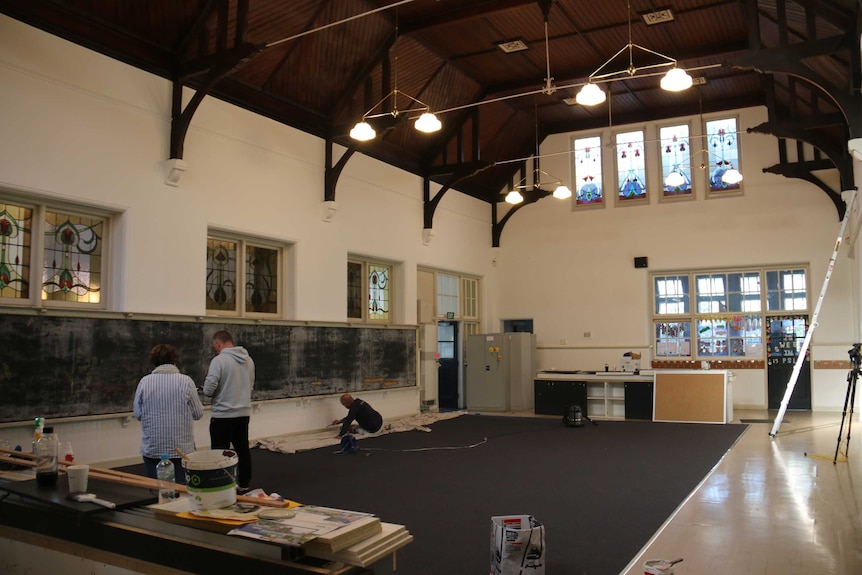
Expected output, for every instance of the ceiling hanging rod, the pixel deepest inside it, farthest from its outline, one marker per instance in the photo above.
(338, 23)
(564, 87)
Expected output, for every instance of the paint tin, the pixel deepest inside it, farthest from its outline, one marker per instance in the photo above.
(211, 478)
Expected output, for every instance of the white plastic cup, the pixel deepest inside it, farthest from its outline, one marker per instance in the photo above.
(78, 475)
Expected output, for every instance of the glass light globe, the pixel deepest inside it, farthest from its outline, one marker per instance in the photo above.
(590, 95)
(562, 192)
(676, 80)
(514, 197)
(363, 132)
(427, 123)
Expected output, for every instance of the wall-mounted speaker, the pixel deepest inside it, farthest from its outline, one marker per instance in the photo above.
(641, 262)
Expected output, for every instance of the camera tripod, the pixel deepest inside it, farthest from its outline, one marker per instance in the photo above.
(850, 398)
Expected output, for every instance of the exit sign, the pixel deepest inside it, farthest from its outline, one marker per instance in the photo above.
(450, 315)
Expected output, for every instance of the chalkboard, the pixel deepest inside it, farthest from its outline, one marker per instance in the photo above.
(69, 366)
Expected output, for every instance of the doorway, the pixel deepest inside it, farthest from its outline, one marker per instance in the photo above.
(783, 343)
(448, 362)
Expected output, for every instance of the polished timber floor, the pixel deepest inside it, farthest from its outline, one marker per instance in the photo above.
(772, 506)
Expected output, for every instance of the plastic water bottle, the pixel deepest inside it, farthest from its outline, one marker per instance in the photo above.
(46, 457)
(167, 479)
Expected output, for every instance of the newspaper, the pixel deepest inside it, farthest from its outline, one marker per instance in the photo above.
(308, 523)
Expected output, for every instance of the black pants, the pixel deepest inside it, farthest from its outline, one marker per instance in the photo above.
(227, 431)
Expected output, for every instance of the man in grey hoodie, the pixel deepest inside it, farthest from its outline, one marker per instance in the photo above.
(229, 382)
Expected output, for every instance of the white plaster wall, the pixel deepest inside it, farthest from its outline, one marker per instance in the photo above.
(573, 272)
(81, 127)
(76, 125)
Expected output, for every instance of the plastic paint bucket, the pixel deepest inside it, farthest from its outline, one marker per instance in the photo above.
(211, 478)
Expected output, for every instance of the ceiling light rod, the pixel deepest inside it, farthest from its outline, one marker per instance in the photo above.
(562, 87)
(338, 23)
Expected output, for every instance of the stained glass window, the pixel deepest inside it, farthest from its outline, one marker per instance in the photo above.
(723, 146)
(378, 292)
(631, 167)
(588, 171)
(261, 279)
(15, 224)
(258, 274)
(72, 266)
(354, 290)
(369, 282)
(221, 275)
(675, 161)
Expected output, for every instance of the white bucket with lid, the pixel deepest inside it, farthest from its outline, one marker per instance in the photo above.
(211, 478)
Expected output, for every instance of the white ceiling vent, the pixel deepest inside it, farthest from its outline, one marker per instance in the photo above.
(658, 17)
(512, 46)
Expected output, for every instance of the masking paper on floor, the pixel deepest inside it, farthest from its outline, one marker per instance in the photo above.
(517, 545)
(293, 443)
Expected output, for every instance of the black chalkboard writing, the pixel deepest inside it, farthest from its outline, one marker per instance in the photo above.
(65, 366)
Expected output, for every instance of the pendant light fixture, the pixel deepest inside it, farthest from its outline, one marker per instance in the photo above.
(675, 80)
(426, 122)
(561, 191)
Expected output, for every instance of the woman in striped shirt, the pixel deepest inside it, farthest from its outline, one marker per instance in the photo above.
(166, 404)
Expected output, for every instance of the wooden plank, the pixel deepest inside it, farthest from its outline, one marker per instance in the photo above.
(688, 396)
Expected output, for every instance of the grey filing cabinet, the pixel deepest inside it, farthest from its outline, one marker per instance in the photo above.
(500, 371)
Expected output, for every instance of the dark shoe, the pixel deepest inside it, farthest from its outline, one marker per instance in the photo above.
(242, 490)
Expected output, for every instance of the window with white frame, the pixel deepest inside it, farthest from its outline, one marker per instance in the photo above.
(369, 290)
(457, 295)
(447, 295)
(66, 246)
(721, 313)
(243, 276)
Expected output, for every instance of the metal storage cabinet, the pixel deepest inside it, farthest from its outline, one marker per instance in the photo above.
(500, 371)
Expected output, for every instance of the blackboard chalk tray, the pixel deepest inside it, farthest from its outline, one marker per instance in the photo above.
(57, 495)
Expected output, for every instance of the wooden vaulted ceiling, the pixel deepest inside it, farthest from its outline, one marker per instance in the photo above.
(319, 65)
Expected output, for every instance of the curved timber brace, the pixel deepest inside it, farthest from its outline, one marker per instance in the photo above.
(533, 196)
(430, 204)
(798, 129)
(330, 179)
(787, 59)
(215, 68)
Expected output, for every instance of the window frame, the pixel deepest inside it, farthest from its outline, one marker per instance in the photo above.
(732, 190)
(243, 242)
(601, 202)
(392, 293)
(464, 301)
(641, 199)
(732, 322)
(687, 162)
(40, 207)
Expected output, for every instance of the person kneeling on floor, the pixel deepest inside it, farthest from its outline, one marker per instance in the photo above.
(369, 420)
